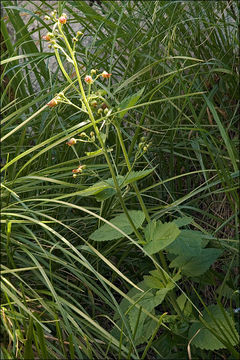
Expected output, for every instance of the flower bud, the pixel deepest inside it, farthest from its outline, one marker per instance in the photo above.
(47, 37)
(71, 142)
(92, 134)
(47, 17)
(79, 33)
(93, 71)
(104, 106)
(88, 79)
(52, 103)
(145, 148)
(83, 134)
(100, 111)
(105, 111)
(93, 103)
(105, 75)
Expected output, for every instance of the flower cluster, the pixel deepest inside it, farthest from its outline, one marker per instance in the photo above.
(89, 79)
(79, 170)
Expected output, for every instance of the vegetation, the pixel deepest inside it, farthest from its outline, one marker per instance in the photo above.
(119, 174)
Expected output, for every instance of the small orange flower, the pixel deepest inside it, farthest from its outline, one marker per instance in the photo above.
(52, 103)
(71, 142)
(79, 169)
(106, 75)
(63, 19)
(46, 37)
(88, 79)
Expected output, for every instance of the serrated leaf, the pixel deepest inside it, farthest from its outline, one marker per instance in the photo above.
(185, 305)
(135, 176)
(196, 265)
(108, 192)
(107, 233)
(189, 243)
(183, 221)
(129, 102)
(105, 194)
(159, 235)
(94, 189)
(205, 339)
(150, 229)
(148, 302)
(153, 282)
(156, 280)
(102, 189)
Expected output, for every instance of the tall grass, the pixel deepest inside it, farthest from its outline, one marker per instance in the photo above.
(76, 284)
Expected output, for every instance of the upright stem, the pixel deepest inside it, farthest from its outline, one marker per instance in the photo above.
(129, 169)
(91, 116)
(99, 136)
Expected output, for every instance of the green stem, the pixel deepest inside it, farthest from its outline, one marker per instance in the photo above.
(98, 135)
(129, 169)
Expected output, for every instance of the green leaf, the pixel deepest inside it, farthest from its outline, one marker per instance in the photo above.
(102, 189)
(129, 102)
(205, 339)
(183, 221)
(189, 243)
(106, 232)
(156, 280)
(149, 302)
(28, 348)
(229, 144)
(196, 265)
(105, 194)
(94, 189)
(135, 176)
(159, 235)
(185, 305)
(93, 153)
(108, 192)
(153, 282)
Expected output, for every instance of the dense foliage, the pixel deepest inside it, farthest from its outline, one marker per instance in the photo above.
(119, 179)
